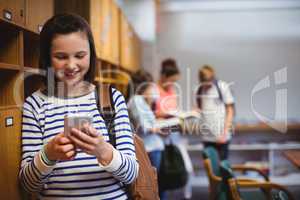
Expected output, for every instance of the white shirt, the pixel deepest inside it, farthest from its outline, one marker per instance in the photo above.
(214, 113)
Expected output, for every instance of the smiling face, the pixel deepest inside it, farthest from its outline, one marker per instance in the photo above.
(70, 57)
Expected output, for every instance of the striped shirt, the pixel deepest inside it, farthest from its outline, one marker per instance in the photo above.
(83, 177)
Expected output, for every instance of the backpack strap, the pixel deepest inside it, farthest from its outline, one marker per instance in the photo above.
(200, 92)
(105, 104)
(106, 108)
(216, 83)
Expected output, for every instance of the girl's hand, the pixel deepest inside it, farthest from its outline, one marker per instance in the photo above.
(160, 132)
(93, 143)
(60, 148)
(155, 130)
(222, 139)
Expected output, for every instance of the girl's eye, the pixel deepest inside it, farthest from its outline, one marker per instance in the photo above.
(61, 57)
(80, 56)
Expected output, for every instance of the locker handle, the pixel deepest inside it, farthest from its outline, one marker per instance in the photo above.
(7, 14)
(22, 13)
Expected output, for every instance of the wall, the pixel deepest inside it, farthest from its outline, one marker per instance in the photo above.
(244, 47)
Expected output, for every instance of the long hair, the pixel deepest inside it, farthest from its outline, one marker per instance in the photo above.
(169, 68)
(65, 24)
(202, 69)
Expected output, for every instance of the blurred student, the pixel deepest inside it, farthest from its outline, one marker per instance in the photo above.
(167, 104)
(140, 109)
(216, 103)
(144, 119)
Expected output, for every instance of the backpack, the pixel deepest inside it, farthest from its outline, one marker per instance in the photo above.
(172, 173)
(145, 186)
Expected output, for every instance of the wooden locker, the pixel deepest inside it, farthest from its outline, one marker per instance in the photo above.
(13, 10)
(10, 152)
(90, 10)
(10, 46)
(106, 31)
(125, 48)
(116, 34)
(11, 88)
(37, 13)
(136, 52)
(95, 14)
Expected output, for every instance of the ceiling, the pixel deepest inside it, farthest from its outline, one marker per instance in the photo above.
(225, 5)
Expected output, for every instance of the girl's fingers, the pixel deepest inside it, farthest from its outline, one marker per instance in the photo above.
(67, 148)
(90, 130)
(63, 140)
(93, 132)
(84, 137)
(82, 145)
(70, 154)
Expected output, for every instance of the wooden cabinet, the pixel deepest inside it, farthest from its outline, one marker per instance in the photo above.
(129, 47)
(125, 43)
(10, 153)
(11, 88)
(136, 52)
(110, 32)
(37, 13)
(95, 14)
(104, 19)
(116, 35)
(18, 47)
(31, 49)
(13, 10)
(90, 10)
(106, 30)
(10, 46)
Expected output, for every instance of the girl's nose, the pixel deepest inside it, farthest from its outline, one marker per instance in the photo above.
(71, 64)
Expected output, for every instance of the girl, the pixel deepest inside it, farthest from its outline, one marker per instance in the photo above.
(216, 104)
(83, 164)
(144, 118)
(166, 104)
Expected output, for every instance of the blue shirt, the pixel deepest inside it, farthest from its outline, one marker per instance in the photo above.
(145, 119)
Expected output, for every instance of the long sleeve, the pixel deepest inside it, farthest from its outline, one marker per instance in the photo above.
(33, 172)
(142, 114)
(124, 165)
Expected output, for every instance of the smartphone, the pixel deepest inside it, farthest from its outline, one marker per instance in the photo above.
(76, 121)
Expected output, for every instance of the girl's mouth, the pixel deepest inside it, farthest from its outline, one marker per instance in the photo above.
(70, 75)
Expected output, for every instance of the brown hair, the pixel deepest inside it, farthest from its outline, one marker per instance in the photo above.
(141, 80)
(169, 67)
(65, 24)
(201, 71)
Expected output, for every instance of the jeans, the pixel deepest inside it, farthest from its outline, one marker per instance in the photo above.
(155, 159)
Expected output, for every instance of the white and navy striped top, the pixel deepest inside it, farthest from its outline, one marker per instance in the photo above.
(83, 177)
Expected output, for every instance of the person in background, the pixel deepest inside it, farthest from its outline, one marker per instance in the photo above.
(216, 104)
(166, 104)
(80, 164)
(143, 117)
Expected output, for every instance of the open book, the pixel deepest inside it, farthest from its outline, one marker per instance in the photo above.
(185, 114)
(167, 123)
(177, 119)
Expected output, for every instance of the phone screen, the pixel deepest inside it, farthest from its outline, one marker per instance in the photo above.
(76, 121)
